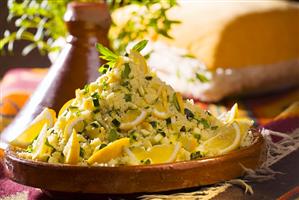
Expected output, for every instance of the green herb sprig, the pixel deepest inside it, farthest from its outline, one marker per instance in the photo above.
(111, 57)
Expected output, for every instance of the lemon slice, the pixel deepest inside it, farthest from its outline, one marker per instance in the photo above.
(112, 150)
(132, 118)
(189, 143)
(47, 116)
(226, 140)
(160, 111)
(65, 107)
(40, 150)
(244, 125)
(230, 115)
(72, 149)
(75, 123)
(163, 153)
(139, 61)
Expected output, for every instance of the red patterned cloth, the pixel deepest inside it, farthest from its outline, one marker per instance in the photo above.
(279, 112)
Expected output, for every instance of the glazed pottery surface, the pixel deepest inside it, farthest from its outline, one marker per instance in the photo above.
(134, 179)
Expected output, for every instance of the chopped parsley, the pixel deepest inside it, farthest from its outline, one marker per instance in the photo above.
(197, 136)
(95, 124)
(189, 114)
(86, 89)
(102, 146)
(195, 155)
(95, 99)
(160, 131)
(115, 122)
(96, 111)
(113, 135)
(95, 95)
(202, 78)
(168, 121)
(204, 122)
(29, 149)
(96, 102)
(148, 78)
(183, 129)
(128, 97)
(133, 136)
(126, 72)
(208, 113)
(125, 83)
(105, 85)
(73, 108)
(103, 69)
(175, 102)
(82, 152)
(146, 161)
(154, 124)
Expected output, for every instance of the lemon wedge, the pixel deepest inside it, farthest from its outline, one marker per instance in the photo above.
(160, 111)
(244, 125)
(230, 115)
(132, 118)
(72, 149)
(65, 107)
(112, 150)
(189, 143)
(75, 123)
(226, 140)
(139, 61)
(163, 153)
(47, 116)
(40, 150)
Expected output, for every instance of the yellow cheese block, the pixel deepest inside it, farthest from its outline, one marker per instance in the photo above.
(238, 34)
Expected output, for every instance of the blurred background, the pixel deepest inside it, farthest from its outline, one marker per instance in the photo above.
(16, 59)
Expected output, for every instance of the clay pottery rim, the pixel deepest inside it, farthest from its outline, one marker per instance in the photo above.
(134, 179)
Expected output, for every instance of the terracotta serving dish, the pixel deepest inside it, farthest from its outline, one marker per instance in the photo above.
(134, 179)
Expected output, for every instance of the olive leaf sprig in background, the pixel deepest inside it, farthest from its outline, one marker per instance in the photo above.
(41, 23)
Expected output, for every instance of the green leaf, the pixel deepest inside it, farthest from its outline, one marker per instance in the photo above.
(140, 45)
(113, 135)
(126, 72)
(202, 78)
(106, 54)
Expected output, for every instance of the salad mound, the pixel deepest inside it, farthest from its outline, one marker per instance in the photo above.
(128, 116)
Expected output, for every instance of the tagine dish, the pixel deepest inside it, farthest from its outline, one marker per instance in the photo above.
(128, 119)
